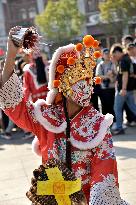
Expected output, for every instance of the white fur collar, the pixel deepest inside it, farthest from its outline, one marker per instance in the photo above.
(105, 124)
(90, 143)
(44, 122)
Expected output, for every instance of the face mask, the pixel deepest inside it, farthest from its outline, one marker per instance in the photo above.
(82, 91)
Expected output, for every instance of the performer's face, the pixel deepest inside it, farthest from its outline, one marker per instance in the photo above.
(82, 91)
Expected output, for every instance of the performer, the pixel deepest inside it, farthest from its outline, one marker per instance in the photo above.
(67, 126)
(35, 80)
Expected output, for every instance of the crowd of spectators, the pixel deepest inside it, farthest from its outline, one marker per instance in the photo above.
(117, 93)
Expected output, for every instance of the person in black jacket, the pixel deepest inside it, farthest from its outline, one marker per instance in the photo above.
(126, 40)
(124, 86)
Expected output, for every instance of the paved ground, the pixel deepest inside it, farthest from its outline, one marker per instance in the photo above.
(126, 157)
(17, 163)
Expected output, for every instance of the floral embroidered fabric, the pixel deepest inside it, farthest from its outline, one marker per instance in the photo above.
(88, 128)
(81, 160)
(86, 125)
(105, 150)
(53, 114)
(31, 111)
(11, 93)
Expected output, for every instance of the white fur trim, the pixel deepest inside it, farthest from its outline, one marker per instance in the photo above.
(36, 146)
(27, 69)
(51, 96)
(47, 125)
(105, 124)
(54, 61)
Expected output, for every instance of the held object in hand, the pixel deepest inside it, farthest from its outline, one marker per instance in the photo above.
(54, 184)
(27, 38)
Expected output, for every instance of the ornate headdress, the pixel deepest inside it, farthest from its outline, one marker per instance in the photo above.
(70, 64)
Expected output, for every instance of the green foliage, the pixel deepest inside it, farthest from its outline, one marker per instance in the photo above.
(115, 10)
(118, 13)
(61, 20)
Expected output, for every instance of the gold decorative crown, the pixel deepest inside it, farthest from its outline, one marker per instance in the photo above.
(75, 73)
(78, 67)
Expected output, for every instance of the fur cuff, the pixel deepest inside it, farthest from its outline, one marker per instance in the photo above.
(36, 147)
(11, 93)
(51, 96)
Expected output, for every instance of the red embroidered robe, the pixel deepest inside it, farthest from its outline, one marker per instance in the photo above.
(93, 155)
(32, 89)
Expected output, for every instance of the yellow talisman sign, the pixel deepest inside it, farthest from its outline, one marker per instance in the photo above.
(57, 186)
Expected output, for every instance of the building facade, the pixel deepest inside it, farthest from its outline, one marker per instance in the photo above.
(94, 24)
(2, 20)
(3, 38)
(21, 12)
(16, 12)
(100, 29)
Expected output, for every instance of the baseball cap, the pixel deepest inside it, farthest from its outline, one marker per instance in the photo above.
(131, 45)
(106, 50)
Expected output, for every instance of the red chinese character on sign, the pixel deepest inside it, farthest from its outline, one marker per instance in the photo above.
(58, 188)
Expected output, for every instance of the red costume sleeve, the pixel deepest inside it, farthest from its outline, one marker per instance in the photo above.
(104, 175)
(17, 108)
(104, 161)
(23, 117)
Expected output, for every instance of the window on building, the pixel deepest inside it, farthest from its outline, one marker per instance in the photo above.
(92, 5)
(23, 13)
(32, 12)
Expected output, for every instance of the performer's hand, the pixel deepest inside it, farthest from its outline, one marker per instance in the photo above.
(12, 50)
(10, 56)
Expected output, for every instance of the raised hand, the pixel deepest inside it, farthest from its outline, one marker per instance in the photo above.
(12, 50)
(10, 56)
